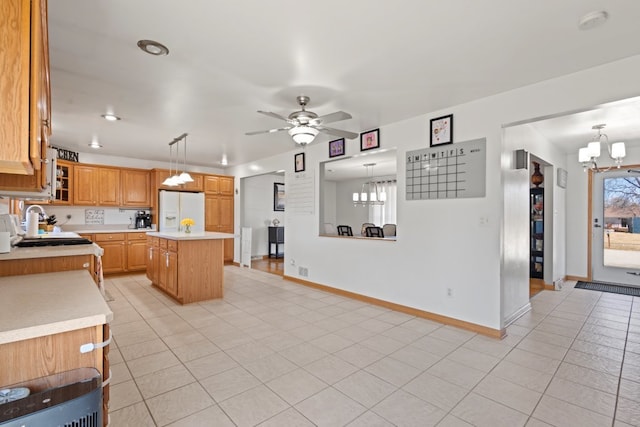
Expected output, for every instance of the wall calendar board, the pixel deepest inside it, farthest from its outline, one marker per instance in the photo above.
(450, 172)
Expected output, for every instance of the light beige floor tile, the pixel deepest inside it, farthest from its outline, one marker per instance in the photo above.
(332, 342)
(210, 365)
(330, 408)
(179, 403)
(631, 372)
(591, 361)
(369, 419)
(123, 394)
(142, 349)
(136, 415)
(436, 391)
(309, 332)
(295, 386)
(422, 325)
(195, 350)
(183, 338)
(402, 334)
(630, 390)
(165, 380)
(560, 413)
(592, 337)
(144, 334)
(359, 355)
(598, 350)
(395, 317)
(119, 373)
(355, 333)
(229, 383)
(253, 406)
(415, 357)
(330, 369)
(270, 367)
(457, 373)
(589, 377)
(507, 393)
(230, 340)
(581, 395)
(404, 409)
(628, 412)
(434, 345)
(542, 348)
(537, 423)
(212, 416)
(489, 346)
(393, 371)
(288, 418)
(453, 335)
(249, 352)
(382, 344)
(303, 354)
(631, 358)
(480, 411)
(473, 359)
(534, 361)
(365, 388)
(152, 363)
(280, 341)
(521, 375)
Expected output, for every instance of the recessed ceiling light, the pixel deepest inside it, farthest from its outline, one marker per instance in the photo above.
(593, 20)
(95, 144)
(110, 117)
(153, 47)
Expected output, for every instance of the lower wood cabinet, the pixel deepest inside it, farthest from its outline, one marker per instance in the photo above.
(136, 251)
(123, 252)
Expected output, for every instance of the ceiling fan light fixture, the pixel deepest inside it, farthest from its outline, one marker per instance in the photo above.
(303, 135)
(152, 47)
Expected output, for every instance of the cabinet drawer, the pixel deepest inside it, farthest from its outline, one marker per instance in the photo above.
(163, 243)
(109, 237)
(153, 241)
(173, 245)
(136, 236)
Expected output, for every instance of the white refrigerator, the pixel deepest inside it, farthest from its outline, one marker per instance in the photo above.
(177, 205)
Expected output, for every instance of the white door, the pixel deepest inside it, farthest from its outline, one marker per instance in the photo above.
(615, 245)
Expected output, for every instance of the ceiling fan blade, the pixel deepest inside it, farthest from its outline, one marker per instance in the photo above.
(337, 132)
(274, 115)
(333, 117)
(257, 132)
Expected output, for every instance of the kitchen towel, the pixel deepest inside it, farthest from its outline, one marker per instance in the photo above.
(5, 242)
(32, 224)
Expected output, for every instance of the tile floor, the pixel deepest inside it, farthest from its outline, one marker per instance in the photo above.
(275, 353)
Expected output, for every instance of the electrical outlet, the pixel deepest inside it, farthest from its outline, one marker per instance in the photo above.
(292, 262)
(303, 271)
(450, 292)
(68, 216)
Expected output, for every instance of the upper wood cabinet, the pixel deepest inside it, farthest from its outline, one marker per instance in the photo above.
(216, 184)
(24, 87)
(136, 187)
(96, 186)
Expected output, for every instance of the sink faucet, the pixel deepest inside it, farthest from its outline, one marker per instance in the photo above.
(26, 213)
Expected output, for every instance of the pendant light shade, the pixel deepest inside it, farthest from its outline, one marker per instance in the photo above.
(590, 154)
(369, 194)
(184, 177)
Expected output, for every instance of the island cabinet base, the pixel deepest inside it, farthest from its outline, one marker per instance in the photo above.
(187, 270)
(17, 267)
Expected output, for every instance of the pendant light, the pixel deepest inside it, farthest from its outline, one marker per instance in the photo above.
(184, 176)
(170, 181)
(369, 194)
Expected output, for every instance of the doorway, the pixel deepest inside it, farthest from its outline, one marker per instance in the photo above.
(615, 226)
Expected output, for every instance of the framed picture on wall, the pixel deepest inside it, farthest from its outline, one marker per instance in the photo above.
(370, 140)
(278, 196)
(336, 148)
(441, 131)
(299, 162)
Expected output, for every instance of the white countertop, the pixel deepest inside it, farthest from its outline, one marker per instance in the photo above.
(37, 305)
(199, 235)
(52, 251)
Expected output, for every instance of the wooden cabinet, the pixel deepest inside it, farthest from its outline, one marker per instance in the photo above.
(96, 186)
(188, 270)
(218, 211)
(196, 185)
(136, 251)
(24, 87)
(115, 251)
(136, 187)
(218, 184)
(64, 183)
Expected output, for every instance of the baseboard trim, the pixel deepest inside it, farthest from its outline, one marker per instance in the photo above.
(473, 327)
(518, 314)
(548, 287)
(577, 278)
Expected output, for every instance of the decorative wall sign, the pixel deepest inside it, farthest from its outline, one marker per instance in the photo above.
(453, 172)
(441, 131)
(278, 196)
(63, 154)
(94, 216)
(299, 162)
(370, 140)
(336, 148)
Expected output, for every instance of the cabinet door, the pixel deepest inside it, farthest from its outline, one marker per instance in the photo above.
(196, 185)
(64, 183)
(114, 258)
(228, 245)
(172, 273)
(211, 184)
(84, 190)
(226, 212)
(211, 213)
(108, 187)
(226, 185)
(136, 186)
(152, 256)
(136, 255)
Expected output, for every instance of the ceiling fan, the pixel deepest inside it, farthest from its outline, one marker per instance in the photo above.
(303, 125)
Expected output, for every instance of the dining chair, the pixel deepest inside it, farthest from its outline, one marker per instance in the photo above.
(363, 230)
(329, 228)
(345, 230)
(389, 230)
(374, 232)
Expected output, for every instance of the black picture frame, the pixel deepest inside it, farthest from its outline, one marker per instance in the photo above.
(336, 148)
(298, 162)
(370, 140)
(441, 131)
(278, 196)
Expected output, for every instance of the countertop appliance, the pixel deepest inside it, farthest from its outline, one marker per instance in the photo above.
(178, 205)
(143, 220)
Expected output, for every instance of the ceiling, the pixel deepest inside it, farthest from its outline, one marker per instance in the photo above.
(381, 64)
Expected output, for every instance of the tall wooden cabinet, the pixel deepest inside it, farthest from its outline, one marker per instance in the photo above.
(219, 206)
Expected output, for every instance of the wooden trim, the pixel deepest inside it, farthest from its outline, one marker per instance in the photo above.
(548, 287)
(577, 278)
(589, 222)
(493, 333)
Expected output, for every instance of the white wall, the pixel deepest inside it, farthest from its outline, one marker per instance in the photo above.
(258, 210)
(101, 159)
(444, 245)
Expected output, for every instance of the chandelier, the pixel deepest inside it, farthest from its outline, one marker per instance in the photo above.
(184, 177)
(369, 194)
(588, 155)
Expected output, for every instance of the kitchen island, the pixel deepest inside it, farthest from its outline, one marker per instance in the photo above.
(187, 266)
(44, 321)
(44, 259)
